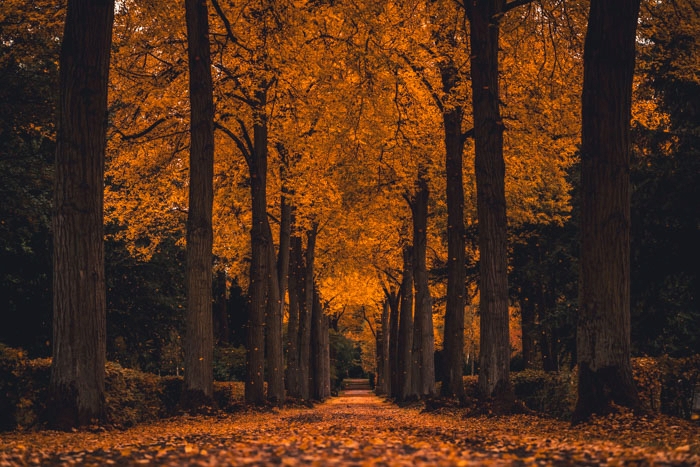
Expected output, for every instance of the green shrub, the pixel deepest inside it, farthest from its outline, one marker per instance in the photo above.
(550, 393)
(229, 364)
(648, 379)
(131, 396)
(23, 388)
(680, 378)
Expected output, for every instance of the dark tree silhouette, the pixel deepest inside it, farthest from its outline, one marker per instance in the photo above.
(199, 332)
(603, 331)
(79, 320)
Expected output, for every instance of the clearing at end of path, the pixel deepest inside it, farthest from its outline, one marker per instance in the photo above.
(359, 428)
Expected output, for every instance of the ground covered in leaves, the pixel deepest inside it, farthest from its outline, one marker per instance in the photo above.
(359, 428)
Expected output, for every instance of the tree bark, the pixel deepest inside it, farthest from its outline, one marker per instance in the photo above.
(261, 243)
(423, 338)
(305, 317)
(406, 328)
(79, 302)
(494, 348)
(273, 338)
(393, 382)
(296, 276)
(320, 356)
(603, 329)
(199, 331)
(383, 366)
(453, 347)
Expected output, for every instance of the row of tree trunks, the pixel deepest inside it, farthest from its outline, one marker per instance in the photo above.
(308, 340)
(404, 339)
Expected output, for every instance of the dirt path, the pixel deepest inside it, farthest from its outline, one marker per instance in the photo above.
(357, 428)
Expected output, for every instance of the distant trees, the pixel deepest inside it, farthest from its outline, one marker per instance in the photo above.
(603, 331)
(79, 319)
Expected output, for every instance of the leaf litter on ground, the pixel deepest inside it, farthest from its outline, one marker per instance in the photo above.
(359, 428)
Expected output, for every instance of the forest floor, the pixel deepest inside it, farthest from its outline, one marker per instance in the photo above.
(358, 428)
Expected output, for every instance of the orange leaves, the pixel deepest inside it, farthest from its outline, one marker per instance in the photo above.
(361, 428)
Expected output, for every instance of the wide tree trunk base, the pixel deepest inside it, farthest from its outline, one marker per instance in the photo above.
(64, 414)
(599, 391)
(195, 401)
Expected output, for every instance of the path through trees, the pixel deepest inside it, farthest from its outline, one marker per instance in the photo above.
(359, 428)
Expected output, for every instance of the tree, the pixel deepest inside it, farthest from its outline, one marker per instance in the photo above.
(494, 353)
(199, 332)
(423, 372)
(79, 320)
(405, 338)
(603, 330)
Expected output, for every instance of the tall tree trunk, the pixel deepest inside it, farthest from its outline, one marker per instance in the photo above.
(406, 327)
(273, 338)
(494, 349)
(199, 331)
(305, 313)
(453, 348)
(393, 383)
(603, 330)
(283, 255)
(423, 339)
(261, 243)
(296, 275)
(383, 373)
(320, 374)
(386, 378)
(79, 303)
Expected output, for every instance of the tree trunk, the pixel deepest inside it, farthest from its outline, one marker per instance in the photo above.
(406, 328)
(423, 339)
(320, 356)
(199, 331)
(305, 313)
(383, 371)
(494, 349)
(261, 243)
(273, 338)
(603, 330)
(393, 382)
(453, 347)
(283, 255)
(296, 275)
(79, 303)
